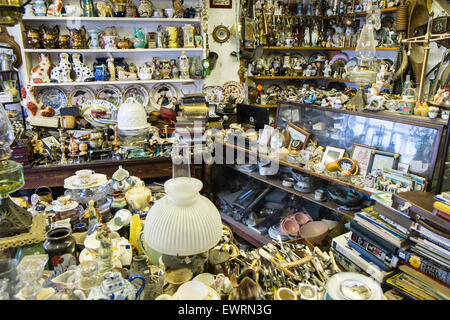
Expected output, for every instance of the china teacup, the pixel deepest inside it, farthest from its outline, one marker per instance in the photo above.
(84, 175)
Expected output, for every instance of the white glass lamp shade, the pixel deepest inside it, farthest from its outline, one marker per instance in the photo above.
(366, 48)
(6, 134)
(183, 223)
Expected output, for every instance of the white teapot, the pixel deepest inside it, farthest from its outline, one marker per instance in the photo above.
(145, 72)
(139, 197)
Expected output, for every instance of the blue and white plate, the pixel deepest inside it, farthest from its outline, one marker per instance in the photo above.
(54, 97)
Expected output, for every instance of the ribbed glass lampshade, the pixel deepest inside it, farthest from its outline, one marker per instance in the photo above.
(183, 223)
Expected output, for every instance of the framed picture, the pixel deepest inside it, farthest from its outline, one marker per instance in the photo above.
(220, 4)
(362, 154)
(332, 154)
(295, 137)
(383, 160)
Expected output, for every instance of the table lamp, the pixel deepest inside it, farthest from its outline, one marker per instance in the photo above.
(183, 223)
(13, 219)
(362, 74)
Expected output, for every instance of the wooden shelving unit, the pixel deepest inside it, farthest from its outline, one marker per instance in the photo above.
(250, 235)
(152, 81)
(320, 48)
(355, 14)
(111, 19)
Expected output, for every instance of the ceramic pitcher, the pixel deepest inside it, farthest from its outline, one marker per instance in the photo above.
(94, 39)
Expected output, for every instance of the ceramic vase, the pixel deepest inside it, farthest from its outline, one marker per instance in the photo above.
(40, 8)
(59, 244)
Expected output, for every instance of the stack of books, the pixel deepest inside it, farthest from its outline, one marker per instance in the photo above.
(441, 207)
(191, 121)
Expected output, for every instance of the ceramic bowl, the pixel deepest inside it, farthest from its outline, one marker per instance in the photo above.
(314, 231)
(192, 290)
(289, 226)
(302, 218)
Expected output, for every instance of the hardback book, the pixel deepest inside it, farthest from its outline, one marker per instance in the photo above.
(395, 240)
(441, 214)
(417, 249)
(346, 264)
(371, 237)
(394, 215)
(340, 244)
(431, 236)
(431, 285)
(373, 218)
(368, 256)
(411, 287)
(379, 253)
(441, 251)
(425, 265)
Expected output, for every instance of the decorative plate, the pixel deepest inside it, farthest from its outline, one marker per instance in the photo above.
(339, 56)
(99, 112)
(301, 57)
(317, 57)
(233, 91)
(163, 95)
(213, 93)
(54, 97)
(111, 94)
(79, 95)
(137, 91)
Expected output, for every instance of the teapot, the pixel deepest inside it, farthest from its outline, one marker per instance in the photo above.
(139, 197)
(50, 37)
(145, 72)
(64, 207)
(77, 38)
(114, 287)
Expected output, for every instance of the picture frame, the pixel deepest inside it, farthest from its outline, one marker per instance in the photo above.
(332, 154)
(363, 155)
(221, 4)
(295, 137)
(384, 160)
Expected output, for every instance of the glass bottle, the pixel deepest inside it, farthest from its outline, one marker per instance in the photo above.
(181, 160)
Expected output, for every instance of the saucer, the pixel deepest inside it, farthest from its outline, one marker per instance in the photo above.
(96, 180)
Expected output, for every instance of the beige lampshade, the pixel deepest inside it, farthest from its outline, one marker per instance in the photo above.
(183, 222)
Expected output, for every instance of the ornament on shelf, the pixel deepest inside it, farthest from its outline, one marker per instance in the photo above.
(183, 65)
(82, 71)
(73, 146)
(111, 68)
(145, 9)
(61, 73)
(103, 9)
(40, 8)
(73, 10)
(55, 8)
(145, 72)
(139, 38)
(41, 72)
(33, 105)
(178, 8)
(77, 38)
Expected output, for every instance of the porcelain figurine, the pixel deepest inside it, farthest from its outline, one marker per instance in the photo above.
(327, 69)
(175, 73)
(40, 8)
(307, 37)
(183, 65)
(83, 72)
(29, 11)
(125, 75)
(33, 105)
(55, 8)
(139, 198)
(77, 38)
(315, 36)
(145, 72)
(73, 10)
(41, 72)
(145, 9)
(111, 68)
(139, 38)
(103, 9)
(61, 73)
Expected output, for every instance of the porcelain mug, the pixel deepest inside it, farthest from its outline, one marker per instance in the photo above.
(67, 122)
(110, 42)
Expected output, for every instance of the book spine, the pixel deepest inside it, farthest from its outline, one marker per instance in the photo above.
(381, 233)
(441, 214)
(345, 263)
(389, 259)
(394, 224)
(378, 241)
(352, 255)
(380, 225)
(368, 256)
(425, 266)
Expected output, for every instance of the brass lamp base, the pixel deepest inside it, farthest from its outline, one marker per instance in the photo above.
(13, 218)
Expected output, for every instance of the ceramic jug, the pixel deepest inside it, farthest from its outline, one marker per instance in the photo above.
(145, 9)
(94, 39)
(139, 197)
(40, 8)
(139, 38)
(145, 72)
(33, 38)
(77, 38)
(88, 8)
(50, 37)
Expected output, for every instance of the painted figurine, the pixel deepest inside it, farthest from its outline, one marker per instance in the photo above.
(41, 72)
(55, 8)
(61, 73)
(33, 105)
(83, 72)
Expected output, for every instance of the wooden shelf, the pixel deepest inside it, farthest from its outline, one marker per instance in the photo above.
(54, 175)
(319, 48)
(267, 105)
(134, 50)
(308, 196)
(298, 168)
(118, 82)
(386, 10)
(250, 235)
(111, 19)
